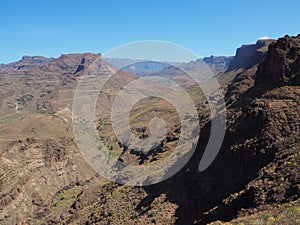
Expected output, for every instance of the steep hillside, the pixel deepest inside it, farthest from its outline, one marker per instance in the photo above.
(255, 178)
(267, 118)
(39, 157)
(33, 81)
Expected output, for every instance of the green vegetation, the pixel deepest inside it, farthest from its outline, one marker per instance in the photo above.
(101, 123)
(23, 100)
(65, 199)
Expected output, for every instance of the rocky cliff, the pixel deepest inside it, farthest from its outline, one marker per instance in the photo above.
(249, 55)
(282, 66)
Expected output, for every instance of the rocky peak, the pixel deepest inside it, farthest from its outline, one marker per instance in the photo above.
(249, 55)
(282, 64)
(86, 60)
(75, 59)
(71, 62)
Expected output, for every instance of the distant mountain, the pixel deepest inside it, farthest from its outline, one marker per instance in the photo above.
(73, 63)
(121, 62)
(42, 77)
(142, 68)
(218, 63)
(27, 62)
(138, 68)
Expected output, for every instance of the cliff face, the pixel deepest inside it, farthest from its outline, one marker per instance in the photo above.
(249, 55)
(282, 66)
(261, 147)
(270, 110)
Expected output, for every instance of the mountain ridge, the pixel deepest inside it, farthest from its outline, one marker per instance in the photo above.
(256, 170)
(249, 55)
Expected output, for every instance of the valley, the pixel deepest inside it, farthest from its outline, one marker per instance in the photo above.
(255, 178)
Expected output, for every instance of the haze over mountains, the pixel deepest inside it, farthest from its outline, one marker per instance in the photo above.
(148, 67)
(246, 56)
(255, 179)
(250, 54)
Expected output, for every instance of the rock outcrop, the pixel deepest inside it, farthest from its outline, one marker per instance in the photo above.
(249, 55)
(72, 63)
(282, 66)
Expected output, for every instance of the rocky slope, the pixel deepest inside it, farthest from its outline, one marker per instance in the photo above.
(266, 115)
(39, 157)
(39, 78)
(258, 166)
(43, 179)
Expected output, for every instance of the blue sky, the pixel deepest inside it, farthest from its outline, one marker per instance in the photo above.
(50, 28)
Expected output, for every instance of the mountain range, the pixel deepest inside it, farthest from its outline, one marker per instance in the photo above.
(255, 178)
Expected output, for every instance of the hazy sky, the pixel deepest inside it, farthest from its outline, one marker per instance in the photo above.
(50, 28)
